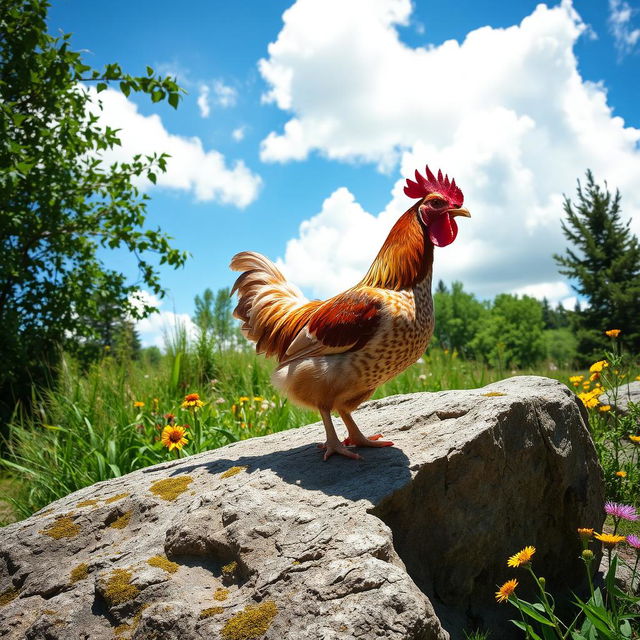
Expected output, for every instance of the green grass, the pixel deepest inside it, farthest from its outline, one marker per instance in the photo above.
(88, 429)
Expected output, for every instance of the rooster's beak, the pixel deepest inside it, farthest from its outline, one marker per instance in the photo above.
(459, 212)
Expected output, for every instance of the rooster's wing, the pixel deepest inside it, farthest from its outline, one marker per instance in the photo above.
(345, 322)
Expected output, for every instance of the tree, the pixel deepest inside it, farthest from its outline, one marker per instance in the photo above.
(60, 206)
(213, 316)
(603, 262)
(458, 317)
(512, 334)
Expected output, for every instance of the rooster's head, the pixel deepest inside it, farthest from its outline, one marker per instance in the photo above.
(441, 202)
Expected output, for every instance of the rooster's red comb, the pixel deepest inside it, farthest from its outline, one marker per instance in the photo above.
(424, 186)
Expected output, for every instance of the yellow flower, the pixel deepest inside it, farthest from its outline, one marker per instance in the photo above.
(506, 590)
(585, 534)
(597, 367)
(621, 474)
(635, 439)
(605, 407)
(609, 540)
(192, 401)
(257, 398)
(173, 437)
(637, 377)
(593, 377)
(243, 399)
(576, 380)
(613, 333)
(521, 558)
(138, 405)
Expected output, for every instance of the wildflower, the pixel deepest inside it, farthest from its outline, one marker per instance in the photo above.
(605, 407)
(593, 377)
(192, 401)
(138, 405)
(422, 377)
(637, 377)
(597, 367)
(506, 590)
(264, 405)
(243, 399)
(220, 401)
(576, 380)
(635, 439)
(585, 534)
(257, 398)
(621, 474)
(173, 437)
(170, 418)
(587, 555)
(633, 541)
(624, 511)
(522, 558)
(613, 333)
(609, 540)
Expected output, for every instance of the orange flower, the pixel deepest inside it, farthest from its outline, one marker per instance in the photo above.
(173, 437)
(621, 474)
(522, 558)
(506, 590)
(585, 534)
(192, 401)
(138, 405)
(613, 333)
(635, 439)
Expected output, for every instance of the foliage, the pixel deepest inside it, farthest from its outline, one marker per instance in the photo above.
(511, 336)
(561, 346)
(604, 263)
(62, 208)
(608, 614)
(459, 317)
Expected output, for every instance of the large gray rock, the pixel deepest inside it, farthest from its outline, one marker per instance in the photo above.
(409, 543)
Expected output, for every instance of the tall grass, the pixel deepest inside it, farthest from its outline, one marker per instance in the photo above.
(91, 426)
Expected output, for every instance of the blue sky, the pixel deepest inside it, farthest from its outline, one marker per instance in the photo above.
(299, 127)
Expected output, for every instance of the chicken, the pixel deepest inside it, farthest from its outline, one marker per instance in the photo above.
(333, 354)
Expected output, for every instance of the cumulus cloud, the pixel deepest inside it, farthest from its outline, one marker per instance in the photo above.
(505, 112)
(159, 327)
(203, 101)
(225, 96)
(625, 36)
(190, 168)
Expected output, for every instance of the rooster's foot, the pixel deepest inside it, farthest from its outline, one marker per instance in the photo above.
(337, 447)
(362, 441)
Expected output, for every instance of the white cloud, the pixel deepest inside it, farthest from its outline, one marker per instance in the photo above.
(505, 111)
(190, 168)
(626, 38)
(225, 96)
(203, 101)
(238, 133)
(159, 327)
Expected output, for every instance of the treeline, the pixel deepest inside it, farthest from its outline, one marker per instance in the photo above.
(508, 332)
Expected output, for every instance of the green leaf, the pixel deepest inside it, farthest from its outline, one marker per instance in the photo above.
(174, 100)
(101, 86)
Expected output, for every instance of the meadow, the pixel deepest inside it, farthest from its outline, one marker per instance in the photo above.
(107, 419)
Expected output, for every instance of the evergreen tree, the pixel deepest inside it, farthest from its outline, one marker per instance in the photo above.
(603, 262)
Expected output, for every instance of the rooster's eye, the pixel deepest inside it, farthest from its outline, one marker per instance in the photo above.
(437, 203)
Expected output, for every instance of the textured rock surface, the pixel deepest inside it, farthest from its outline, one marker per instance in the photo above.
(626, 393)
(402, 545)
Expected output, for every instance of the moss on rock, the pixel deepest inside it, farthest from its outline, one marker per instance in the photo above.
(251, 623)
(122, 521)
(118, 496)
(8, 595)
(61, 527)
(221, 594)
(171, 488)
(211, 611)
(118, 587)
(232, 472)
(80, 572)
(162, 562)
(87, 503)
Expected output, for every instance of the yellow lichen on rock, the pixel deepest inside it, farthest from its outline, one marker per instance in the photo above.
(122, 521)
(171, 488)
(80, 572)
(251, 623)
(211, 611)
(119, 588)
(8, 595)
(118, 496)
(162, 562)
(61, 527)
(229, 569)
(221, 594)
(493, 394)
(87, 503)
(232, 472)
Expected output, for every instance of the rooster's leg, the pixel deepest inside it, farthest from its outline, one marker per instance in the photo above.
(333, 444)
(356, 437)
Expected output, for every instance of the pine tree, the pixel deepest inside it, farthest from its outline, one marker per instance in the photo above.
(603, 263)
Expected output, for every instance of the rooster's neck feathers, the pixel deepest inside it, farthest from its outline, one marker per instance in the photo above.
(405, 259)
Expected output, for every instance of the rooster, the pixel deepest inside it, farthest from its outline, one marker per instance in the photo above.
(333, 354)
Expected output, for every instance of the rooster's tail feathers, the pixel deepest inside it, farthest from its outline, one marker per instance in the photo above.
(272, 310)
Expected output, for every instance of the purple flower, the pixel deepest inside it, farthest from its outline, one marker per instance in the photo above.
(634, 542)
(624, 511)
